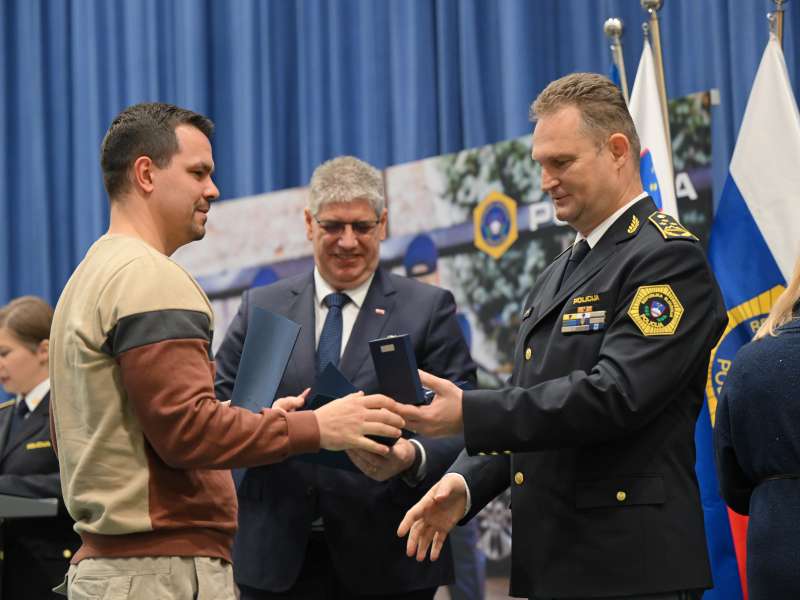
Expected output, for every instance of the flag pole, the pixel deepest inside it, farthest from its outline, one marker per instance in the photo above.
(776, 20)
(652, 7)
(613, 29)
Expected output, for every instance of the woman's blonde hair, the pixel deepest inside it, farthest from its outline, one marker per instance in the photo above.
(781, 312)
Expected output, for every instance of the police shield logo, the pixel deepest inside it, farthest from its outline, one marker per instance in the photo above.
(656, 310)
(495, 224)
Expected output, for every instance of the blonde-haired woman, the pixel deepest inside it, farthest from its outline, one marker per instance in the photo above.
(36, 552)
(757, 446)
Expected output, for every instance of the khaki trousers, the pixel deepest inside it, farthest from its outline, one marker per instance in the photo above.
(148, 578)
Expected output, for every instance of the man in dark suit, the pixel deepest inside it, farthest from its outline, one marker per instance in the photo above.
(311, 531)
(597, 425)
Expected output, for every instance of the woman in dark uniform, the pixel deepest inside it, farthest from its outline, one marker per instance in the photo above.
(35, 551)
(757, 444)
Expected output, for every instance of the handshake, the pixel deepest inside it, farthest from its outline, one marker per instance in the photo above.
(346, 424)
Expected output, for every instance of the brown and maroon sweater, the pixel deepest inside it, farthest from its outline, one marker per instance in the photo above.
(144, 446)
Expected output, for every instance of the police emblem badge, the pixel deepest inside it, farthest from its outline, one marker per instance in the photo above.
(656, 310)
(495, 224)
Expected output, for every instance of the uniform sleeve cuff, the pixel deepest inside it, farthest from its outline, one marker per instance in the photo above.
(466, 487)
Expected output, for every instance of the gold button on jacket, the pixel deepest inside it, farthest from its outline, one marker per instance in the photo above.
(621, 496)
(528, 353)
(519, 478)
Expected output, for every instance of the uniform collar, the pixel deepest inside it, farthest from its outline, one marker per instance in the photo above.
(598, 232)
(35, 396)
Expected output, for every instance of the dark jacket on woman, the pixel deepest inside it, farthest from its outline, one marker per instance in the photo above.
(35, 551)
(757, 445)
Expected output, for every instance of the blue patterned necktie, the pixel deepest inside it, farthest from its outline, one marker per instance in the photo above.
(330, 340)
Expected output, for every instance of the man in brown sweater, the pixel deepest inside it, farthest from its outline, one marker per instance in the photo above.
(144, 446)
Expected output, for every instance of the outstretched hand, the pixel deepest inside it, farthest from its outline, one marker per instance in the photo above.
(428, 522)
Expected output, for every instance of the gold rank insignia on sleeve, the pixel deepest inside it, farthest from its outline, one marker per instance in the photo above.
(656, 310)
(634, 225)
(669, 227)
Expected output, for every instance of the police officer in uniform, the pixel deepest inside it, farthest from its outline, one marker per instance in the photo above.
(597, 426)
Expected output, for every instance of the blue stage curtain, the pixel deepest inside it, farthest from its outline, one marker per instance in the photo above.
(292, 83)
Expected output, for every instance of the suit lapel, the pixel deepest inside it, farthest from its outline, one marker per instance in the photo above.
(370, 324)
(29, 426)
(620, 231)
(301, 311)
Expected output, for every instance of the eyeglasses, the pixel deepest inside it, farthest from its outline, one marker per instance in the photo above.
(338, 227)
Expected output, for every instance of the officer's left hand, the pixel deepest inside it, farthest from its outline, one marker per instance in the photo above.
(443, 416)
(428, 522)
(381, 468)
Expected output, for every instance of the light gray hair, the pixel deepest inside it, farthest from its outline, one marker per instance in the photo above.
(345, 179)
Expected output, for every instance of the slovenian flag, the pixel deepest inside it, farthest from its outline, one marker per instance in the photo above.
(753, 247)
(656, 164)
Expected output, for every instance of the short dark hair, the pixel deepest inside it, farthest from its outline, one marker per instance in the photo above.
(600, 102)
(146, 129)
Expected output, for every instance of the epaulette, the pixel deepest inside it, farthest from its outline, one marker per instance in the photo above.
(670, 228)
(8, 403)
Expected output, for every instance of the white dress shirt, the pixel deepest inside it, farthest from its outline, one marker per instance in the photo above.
(350, 310)
(599, 231)
(35, 396)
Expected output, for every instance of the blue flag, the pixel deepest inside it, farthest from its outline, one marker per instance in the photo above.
(752, 249)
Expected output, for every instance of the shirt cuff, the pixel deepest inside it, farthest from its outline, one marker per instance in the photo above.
(466, 487)
(413, 476)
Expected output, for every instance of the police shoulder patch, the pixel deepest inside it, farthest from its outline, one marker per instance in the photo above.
(656, 310)
(670, 228)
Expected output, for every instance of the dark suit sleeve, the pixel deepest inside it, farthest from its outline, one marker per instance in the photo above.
(47, 485)
(445, 355)
(735, 486)
(230, 351)
(486, 476)
(634, 378)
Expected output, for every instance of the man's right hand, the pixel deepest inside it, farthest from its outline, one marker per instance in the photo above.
(345, 423)
(443, 416)
(428, 522)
